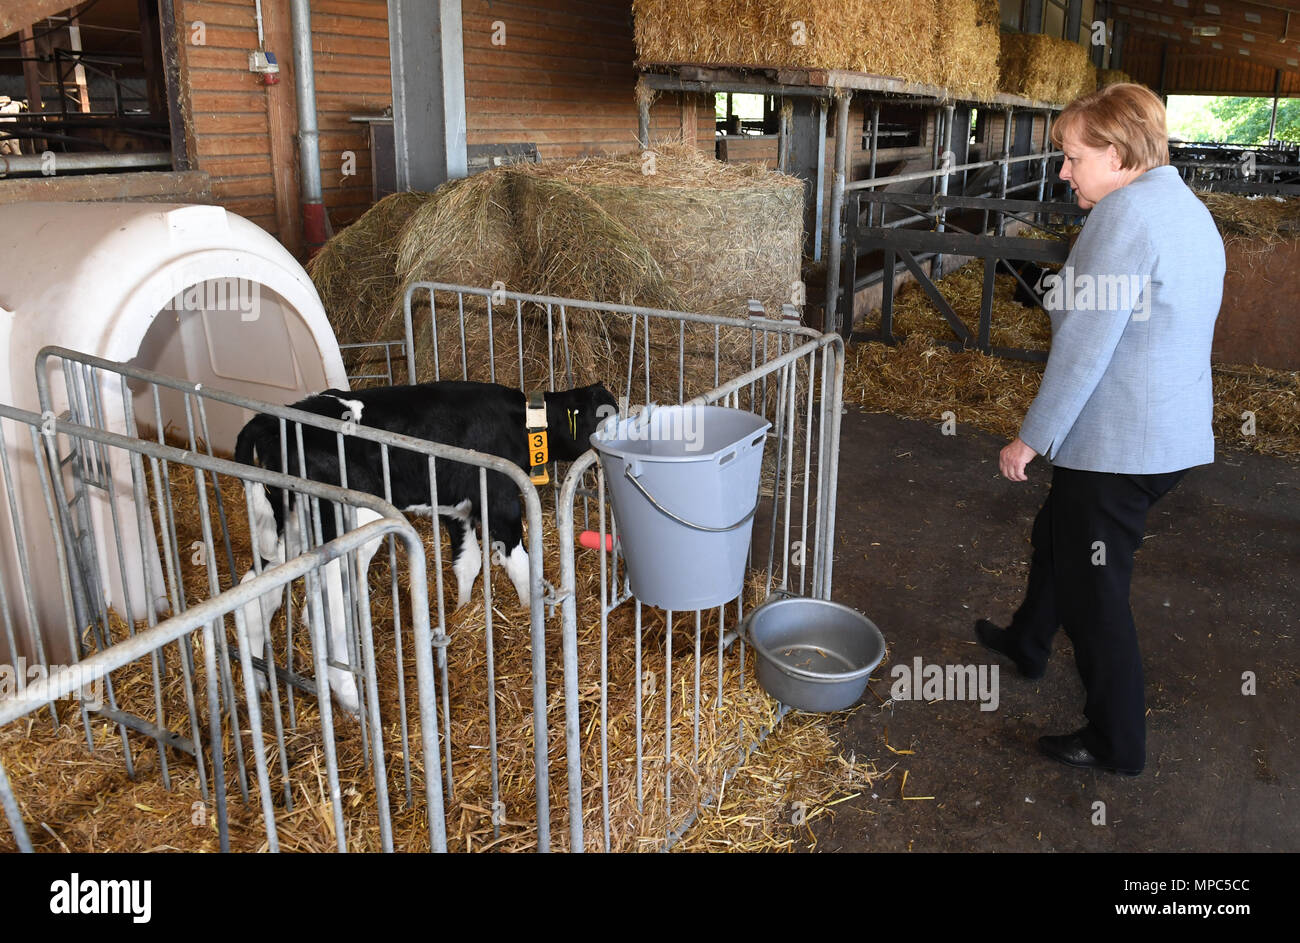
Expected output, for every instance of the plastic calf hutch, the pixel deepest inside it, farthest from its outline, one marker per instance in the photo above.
(191, 291)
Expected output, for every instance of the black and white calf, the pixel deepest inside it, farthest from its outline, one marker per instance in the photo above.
(485, 417)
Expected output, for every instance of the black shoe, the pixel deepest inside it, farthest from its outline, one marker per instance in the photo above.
(1069, 749)
(997, 639)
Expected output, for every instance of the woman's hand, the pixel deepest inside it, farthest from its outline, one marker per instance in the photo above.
(1014, 458)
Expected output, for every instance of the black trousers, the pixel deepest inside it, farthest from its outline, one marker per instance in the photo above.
(1084, 539)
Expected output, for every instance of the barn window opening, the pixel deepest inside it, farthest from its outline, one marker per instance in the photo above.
(84, 90)
(1227, 119)
(739, 113)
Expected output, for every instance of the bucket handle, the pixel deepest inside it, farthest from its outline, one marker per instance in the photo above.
(627, 473)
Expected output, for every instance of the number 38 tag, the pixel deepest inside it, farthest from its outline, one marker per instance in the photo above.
(537, 450)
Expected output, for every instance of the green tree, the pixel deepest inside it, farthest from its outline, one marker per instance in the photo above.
(1246, 120)
(1190, 119)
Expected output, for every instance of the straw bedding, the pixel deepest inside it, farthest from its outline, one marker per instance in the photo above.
(78, 801)
(920, 380)
(1262, 220)
(1112, 77)
(1044, 68)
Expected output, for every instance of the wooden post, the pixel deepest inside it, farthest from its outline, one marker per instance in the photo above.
(172, 40)
(1277, 90)
(78, 71)
(282, 117)
(689, 108)
(150, 51)
(32, 80)
(31, 75)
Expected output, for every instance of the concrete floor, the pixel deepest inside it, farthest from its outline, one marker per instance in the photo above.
(931, 537)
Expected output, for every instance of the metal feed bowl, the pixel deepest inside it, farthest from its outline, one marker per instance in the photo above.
(813, 654)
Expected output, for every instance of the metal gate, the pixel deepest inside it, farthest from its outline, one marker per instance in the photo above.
(141, 529)
(790, 374)
(99, 391)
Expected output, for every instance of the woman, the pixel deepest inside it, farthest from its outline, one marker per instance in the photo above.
(1124, 408)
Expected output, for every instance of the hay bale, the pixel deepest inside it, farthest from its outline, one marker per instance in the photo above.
(966, 47)
(883, 37)
(355, 273)
(1112, 77)
(720, 233)
(1044, 68)
(696, 235)
(466, 235)
(572, 247)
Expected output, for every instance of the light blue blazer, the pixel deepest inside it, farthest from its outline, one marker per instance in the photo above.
(1127, 385)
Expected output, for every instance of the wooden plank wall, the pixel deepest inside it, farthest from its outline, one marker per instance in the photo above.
(228, 123)
(563, 79)
(233, 117)
(1196, 70)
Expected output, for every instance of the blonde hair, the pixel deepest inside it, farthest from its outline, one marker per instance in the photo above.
(1127, 115)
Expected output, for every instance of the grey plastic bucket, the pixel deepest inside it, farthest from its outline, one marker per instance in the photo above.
(813, 654)
(684, 484)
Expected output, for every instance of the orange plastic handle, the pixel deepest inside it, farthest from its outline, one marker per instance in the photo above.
(591, 540)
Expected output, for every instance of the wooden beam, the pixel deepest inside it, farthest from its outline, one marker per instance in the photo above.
(157, 186)
(1259, 28)
(282, 117)
(16, 14)
(151, 54)
(31, 73)
(172, 42)
(78, 70)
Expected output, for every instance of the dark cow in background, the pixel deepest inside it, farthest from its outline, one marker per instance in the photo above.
(1034, 276)
(485, 417)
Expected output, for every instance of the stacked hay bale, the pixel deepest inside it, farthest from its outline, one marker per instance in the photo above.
(1112, 77)
(885, 37)
(668, 228)
(948, 43)
(1044, 68)
(966, 47)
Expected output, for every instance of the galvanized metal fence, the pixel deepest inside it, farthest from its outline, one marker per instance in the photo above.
(147, 399)
(140, 529)
(790, 374)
